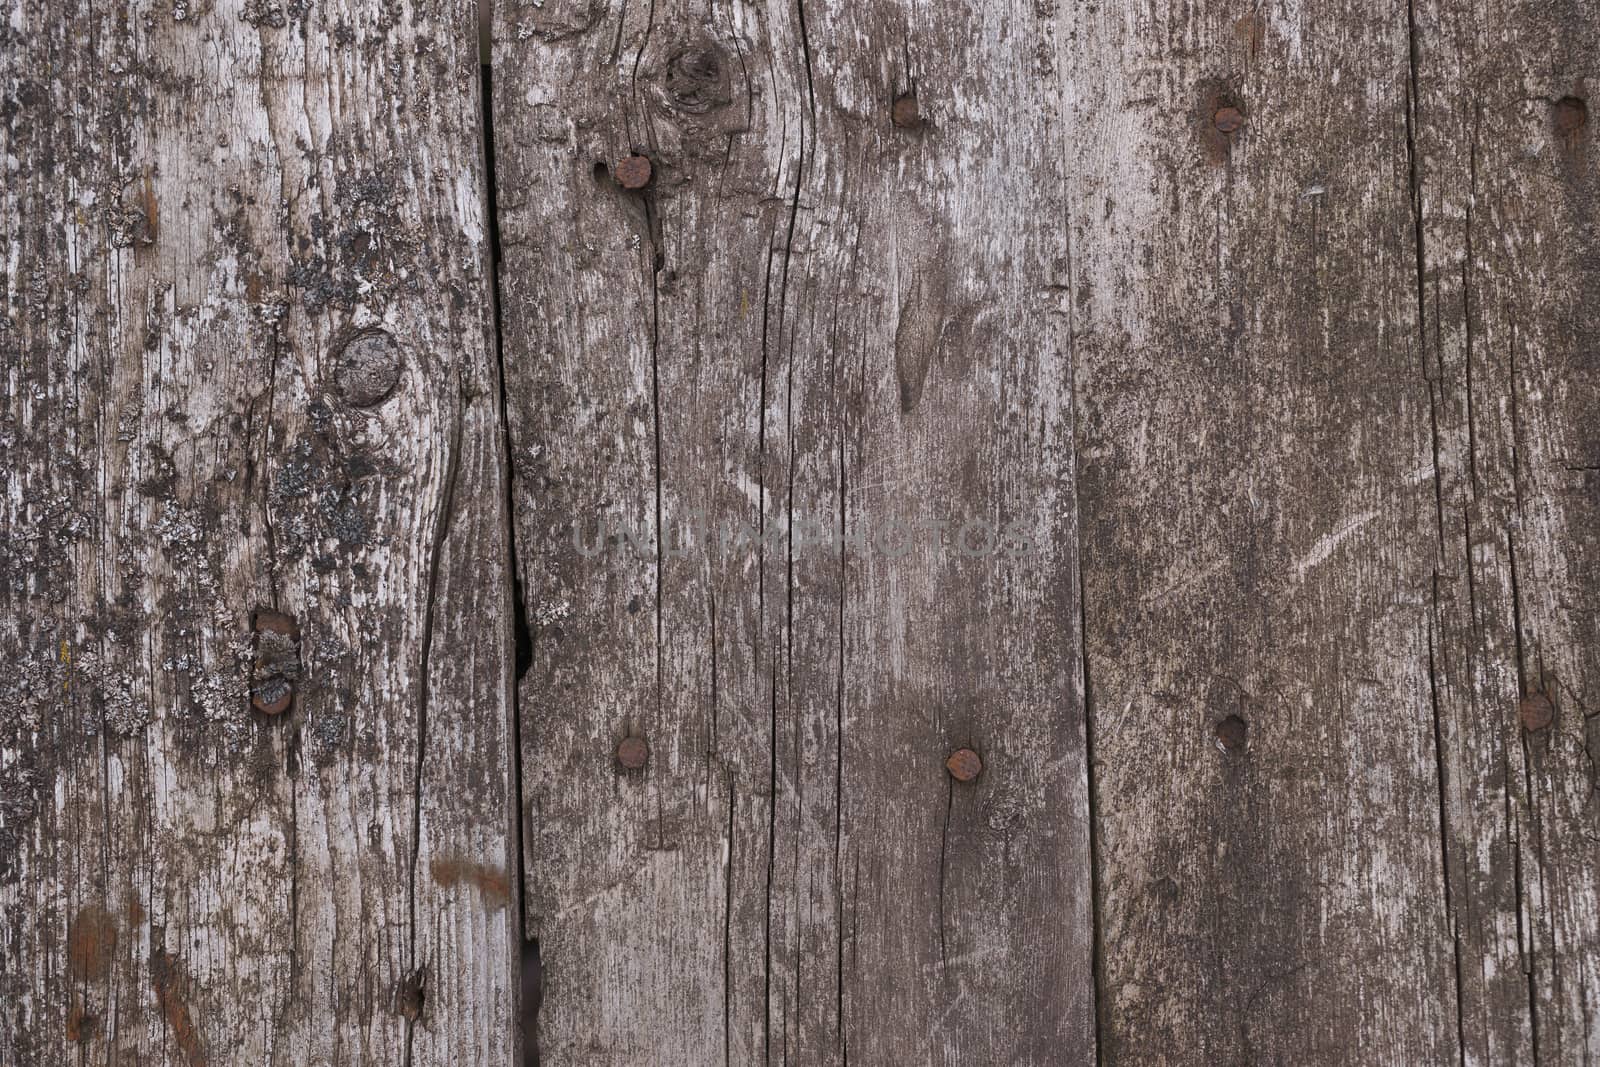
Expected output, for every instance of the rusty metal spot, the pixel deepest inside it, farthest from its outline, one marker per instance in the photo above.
(633, 172)
(1571, 115)
(172, 993)
(1252, 32)
(81, 1026)
(905, 114)
(1218, 118)
(367, 369)
(91, 943)
(1536, 712)
(964, 765)
(451, 871)
(633, 753)
(277, 662)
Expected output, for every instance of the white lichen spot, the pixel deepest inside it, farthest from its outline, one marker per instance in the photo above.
(546, 614)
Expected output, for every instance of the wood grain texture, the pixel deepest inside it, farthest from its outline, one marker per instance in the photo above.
(248, 366)
(1256, 480)
(1508, 273)
(812, 319)
(1190, 409)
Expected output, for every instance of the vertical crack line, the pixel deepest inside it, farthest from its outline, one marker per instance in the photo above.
(1444, 826)
(714, 732)
(1516, 423)
(655, 409)
(1531, 947)
(772, 769)
(838, 767)
(727, 933)
(761, 610)
(522, 638)
(805, 51)
(772, 859)
(1099, 1006)
(944, 843)
(633, 80)
(1434, 377)
(1433, 380)
(441, 533)
(1466, 308)
(1096, 869)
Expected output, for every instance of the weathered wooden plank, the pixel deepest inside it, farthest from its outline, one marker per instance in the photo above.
(1259, 531)
(811, 317)
(1505, 186)
(248, 370)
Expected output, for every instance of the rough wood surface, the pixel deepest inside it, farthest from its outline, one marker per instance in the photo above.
(1011, 533)
(1335, 445)
(248, 368)
(1257, 501)
(813, 318)
(1506, 189)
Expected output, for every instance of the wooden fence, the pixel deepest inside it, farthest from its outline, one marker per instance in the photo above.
(887, 532)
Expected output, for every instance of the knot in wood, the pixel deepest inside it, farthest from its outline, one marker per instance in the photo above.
(367, 369)
(696, 80)
(964, 765)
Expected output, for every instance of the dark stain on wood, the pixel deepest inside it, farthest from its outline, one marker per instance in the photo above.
(450, 872)
(916, 337)
(81, 1025)
(410, 996)
(91, 943)
(1217, 136)
(172, 995)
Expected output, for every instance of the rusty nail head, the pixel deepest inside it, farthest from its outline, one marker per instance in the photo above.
(964, 765)
(276, 706)
(1571, 114)
(278, 696)
(1227, 119)
(276, 622)
(1536, 712)
(905, 112)
(633, 753)
(633, 172)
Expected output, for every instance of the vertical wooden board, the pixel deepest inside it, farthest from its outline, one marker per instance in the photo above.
(248, 369)
(1257, 509)
(812, 324)
(1506, 191)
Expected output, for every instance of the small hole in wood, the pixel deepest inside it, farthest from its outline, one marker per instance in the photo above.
(1572, 114)
(1233, 734)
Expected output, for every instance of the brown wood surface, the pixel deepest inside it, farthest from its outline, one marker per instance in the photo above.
(811, 315)
(1257, 500)
(1257, 337)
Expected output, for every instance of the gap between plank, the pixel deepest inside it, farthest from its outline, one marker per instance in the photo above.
(531, 984)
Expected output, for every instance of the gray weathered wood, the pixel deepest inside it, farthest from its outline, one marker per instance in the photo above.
(811, 314)
(1506, 184)
(1283, 307)
(204, 205)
